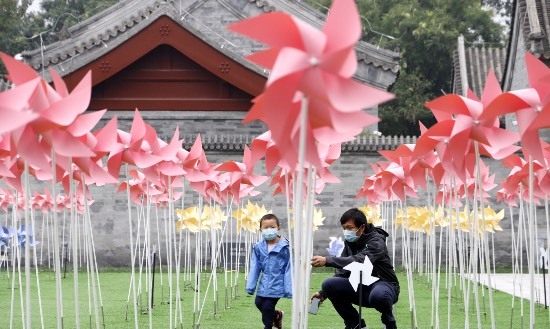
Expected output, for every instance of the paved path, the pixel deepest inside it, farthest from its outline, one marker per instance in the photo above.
(507, 282)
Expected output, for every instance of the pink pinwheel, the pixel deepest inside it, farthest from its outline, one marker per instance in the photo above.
(133, 148)
(264, 146)
(487, 184)
(170, 164)
(6, 199)
(369, 192)
(214, 187)
(519, 176)
(284, 182)
(323, 127)
(396, 179)
(52, 112)
(241, 176)
(140, 189)
(416, 167)
(317, 63)
(475, 121)
(312, 64)
(536, 116)
(195, 163)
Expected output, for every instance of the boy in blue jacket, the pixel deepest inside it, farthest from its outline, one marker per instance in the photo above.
(271, 258)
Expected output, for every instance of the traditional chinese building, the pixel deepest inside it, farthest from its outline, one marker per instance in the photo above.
(178, 64)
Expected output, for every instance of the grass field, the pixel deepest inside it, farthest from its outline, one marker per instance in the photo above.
(241, 312)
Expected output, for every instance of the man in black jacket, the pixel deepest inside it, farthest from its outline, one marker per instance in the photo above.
(362, 240)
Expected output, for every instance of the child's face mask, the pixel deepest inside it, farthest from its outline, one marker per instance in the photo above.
(270, 234)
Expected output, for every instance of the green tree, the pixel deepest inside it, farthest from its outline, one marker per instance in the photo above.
(23, 30)
(58, 15)
(425, 32)
(14, 16)
(502, 7)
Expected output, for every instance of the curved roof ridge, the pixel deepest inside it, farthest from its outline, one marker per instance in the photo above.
(111, 27)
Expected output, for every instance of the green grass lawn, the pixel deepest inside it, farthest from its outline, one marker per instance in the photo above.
(241, 312)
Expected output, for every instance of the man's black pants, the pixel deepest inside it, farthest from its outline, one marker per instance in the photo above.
(266, 305)
(380, 295)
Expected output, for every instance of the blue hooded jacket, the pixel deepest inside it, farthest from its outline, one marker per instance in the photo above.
(274, 267)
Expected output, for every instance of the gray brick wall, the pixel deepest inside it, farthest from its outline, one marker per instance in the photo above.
(109, 213)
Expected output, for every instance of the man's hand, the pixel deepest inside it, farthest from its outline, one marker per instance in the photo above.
(318, 261)
(317, 295)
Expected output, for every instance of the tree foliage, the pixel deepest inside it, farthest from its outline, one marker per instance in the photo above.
(501, 7)
(58, 15)
(425, 32)
(21, 29)
(13, 22)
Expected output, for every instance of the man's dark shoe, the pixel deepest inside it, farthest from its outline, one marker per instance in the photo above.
(278, 323)
(361, 325)
(389, 321)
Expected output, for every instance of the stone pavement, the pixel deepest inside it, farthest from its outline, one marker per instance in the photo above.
(518, 285)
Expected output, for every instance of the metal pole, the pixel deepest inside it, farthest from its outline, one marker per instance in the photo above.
(544, 287)
(153, 277)
(360, 297)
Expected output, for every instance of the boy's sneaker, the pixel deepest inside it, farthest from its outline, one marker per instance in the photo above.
(278, 323)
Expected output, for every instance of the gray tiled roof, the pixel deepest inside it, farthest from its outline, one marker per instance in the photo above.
(94, 37)
(478, 63)
(534, 18)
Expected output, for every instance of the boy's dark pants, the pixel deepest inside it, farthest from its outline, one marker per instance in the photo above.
(266, 305)
(380, 295)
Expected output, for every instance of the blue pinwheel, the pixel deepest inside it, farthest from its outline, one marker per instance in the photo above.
(22, 236)
(5, 235)
(335, 246)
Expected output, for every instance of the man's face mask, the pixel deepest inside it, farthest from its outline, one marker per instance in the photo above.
(350, 236)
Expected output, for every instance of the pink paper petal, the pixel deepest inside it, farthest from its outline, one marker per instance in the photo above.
(65, 111)
(349, 95)
(492, 89)
(69, 146)
(84, 123)
(19, 72)
(107, 136)
(27, 146)
(538, 74)
(138, 129)
(170, 151)
(60, 86)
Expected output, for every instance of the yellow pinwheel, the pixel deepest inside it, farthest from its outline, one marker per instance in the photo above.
(373, 215)
(188, 218)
